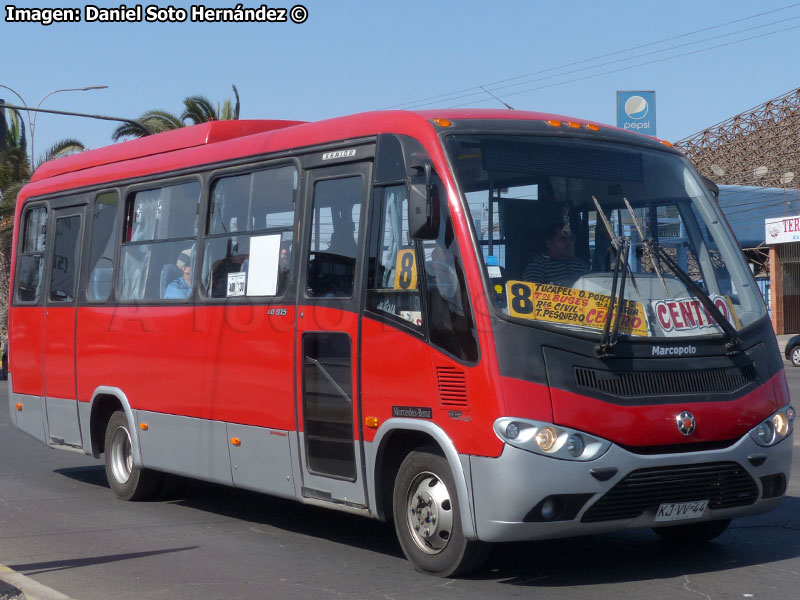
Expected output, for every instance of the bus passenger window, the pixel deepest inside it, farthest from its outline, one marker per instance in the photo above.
(31, 259)
(253, 212)
(334, 238)
(394, 285)
(161, 224)
(65, 259)
(101, 251)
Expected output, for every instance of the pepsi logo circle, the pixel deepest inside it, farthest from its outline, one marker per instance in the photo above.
(636, 107)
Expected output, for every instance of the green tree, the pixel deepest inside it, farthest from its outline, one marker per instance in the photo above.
(196, 110)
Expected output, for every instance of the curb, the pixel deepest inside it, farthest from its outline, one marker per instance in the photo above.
(16, 586)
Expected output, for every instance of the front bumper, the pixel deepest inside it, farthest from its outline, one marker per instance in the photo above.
(507, 488)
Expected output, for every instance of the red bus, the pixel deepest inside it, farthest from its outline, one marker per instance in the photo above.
(485, 325)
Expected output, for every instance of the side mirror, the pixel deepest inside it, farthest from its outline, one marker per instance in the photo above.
(423, 202)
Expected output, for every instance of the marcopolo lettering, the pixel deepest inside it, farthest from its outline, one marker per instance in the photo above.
(413, 412)
(674, 350)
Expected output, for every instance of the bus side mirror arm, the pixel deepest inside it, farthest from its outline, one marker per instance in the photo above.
(423, 202)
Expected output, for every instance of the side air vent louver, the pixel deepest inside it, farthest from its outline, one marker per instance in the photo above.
(452, 386)
(723, 484)
(666, 383)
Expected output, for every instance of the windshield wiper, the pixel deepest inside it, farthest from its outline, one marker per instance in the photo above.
(646, 241)
(658, 253)
(614, 239)
(615, 301)
(621, 246)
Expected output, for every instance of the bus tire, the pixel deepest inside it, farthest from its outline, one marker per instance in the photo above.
(126, 480)
(695, 533)
(427, 517)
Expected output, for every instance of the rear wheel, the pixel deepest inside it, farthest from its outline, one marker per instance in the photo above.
(696, 533)
(128, 481)
(427, 517)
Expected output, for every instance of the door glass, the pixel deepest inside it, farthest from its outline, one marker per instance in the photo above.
(328, 404)
(334, 238)
(31, 260)
(65, 259)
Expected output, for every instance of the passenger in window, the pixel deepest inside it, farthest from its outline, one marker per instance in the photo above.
(558, 263)
(181, 288)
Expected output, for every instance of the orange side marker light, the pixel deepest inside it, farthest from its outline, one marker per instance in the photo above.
(371, 422)
(144, 426)
(19, 406)
(236, 442)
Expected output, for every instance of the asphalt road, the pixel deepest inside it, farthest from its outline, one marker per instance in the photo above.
(61, 525)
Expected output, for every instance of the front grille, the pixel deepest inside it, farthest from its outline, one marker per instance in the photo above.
(666, 383)
(723, 484)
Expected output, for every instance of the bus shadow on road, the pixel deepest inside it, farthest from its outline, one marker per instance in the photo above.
(283, 514)
(262, 509)
(640, 555)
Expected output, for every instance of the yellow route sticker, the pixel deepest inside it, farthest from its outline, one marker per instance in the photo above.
(560, 304)
(405, 271)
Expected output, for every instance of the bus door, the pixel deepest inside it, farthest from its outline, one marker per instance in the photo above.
(327, 334)
(61, 402)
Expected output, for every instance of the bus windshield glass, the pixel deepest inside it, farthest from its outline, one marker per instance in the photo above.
(558, 218)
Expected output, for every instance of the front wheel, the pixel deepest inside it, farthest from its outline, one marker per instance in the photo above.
(427, 517)
(127, 481)
(795, 356)
(696, 533)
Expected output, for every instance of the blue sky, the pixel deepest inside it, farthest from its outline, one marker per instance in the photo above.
(353, 55)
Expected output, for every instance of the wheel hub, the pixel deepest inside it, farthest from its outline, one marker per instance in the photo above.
(430, 513)
(121, 455)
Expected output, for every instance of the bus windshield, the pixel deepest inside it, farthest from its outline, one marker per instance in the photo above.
(557, 218)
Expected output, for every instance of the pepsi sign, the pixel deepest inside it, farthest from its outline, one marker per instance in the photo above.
(636, 111)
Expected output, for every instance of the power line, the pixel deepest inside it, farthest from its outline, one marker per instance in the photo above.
(448, 96)
(644, 63)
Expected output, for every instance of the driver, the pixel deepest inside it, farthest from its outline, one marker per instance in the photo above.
(558, 263)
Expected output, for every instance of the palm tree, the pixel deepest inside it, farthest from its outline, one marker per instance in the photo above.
(196, 110)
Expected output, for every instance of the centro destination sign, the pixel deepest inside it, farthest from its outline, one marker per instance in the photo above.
(636, 111)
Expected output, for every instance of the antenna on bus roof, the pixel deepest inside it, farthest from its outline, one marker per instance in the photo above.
(508, 106)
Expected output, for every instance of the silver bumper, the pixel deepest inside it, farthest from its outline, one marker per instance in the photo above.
(505, 489)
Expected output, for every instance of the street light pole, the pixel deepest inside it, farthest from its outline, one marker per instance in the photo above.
(32, 120)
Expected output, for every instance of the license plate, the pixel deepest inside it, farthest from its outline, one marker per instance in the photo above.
(679, 511)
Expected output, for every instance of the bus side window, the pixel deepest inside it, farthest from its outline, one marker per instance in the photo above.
(394, 283)
(253, 206)
(31, 260)
(451, 324)
(162, 225)
(101, 250)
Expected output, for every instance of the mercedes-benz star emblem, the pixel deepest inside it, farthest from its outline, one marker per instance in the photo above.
(685, 422)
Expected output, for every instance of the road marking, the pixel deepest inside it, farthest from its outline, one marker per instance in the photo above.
(32, 589)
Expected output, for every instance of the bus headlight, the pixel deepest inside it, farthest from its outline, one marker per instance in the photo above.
(546, 438)
(549, 440)
(774, 429)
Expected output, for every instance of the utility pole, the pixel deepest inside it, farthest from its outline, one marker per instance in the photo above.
(3, 128)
